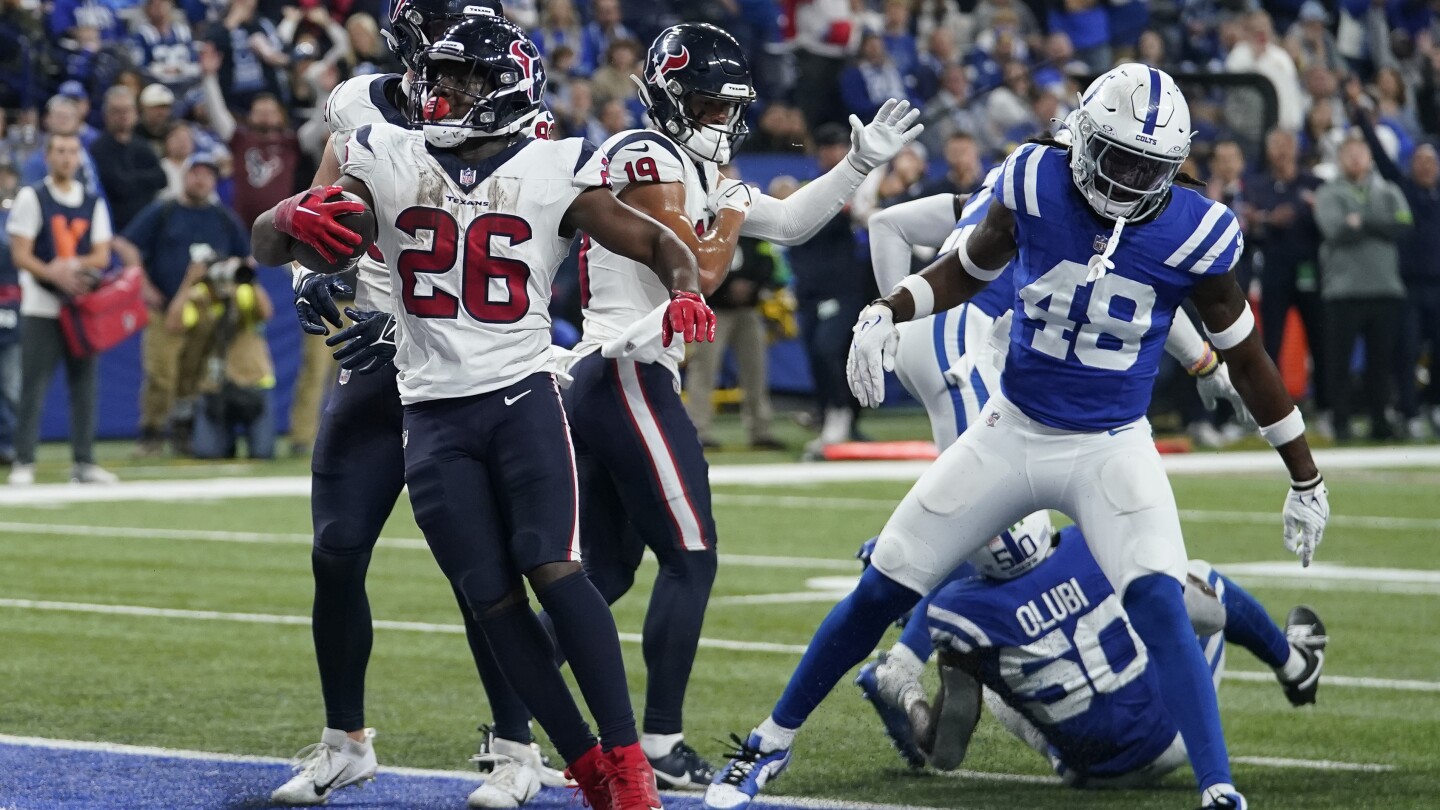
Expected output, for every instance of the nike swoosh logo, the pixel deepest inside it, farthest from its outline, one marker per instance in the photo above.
(516, 398)
(321, 790)
(644, 147)
(1121, 430)
(306, 210)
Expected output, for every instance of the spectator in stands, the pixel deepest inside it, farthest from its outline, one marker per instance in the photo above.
(1309, 40)
(105, 19)
(157, 114)
(312, 23)
(1227, 185)
(265, 149)
(622, 60)
(1395, 111)
(991, 14)
(368, 52)
(1362, 217)
(1009, 106)
(9, 320)
(75, 91)
(22, 139)
(738, 325)
(903, 178)
(1127, 21)
(251, 54)
(872, 80)
(1151, 50)
(172, 239)
(575, 112)
(559, 25)
(963, 171)
(62, 117)
(899, 38)
(937, 15)
(940, 52)
(831, 285)
(162, 46)
(1088, 27)
(1259, 53)
(60, 241)
(994, 48)
(605, 27)
(1420, 272)
(825, 33)
(781, 129)
(1284, 237)
(614, 118)
(179, 148)
(950, 111)
(1320, 140)
(129, 171)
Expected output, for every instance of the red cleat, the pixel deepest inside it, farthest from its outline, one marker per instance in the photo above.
(591, 774)
(631, 779)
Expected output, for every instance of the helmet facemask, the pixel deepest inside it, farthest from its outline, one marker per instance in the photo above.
(688, 111)
(1118, 180)
(447, 73)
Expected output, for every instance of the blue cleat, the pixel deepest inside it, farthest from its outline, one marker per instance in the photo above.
(1223, 797)
(745, 775)
(897, 724)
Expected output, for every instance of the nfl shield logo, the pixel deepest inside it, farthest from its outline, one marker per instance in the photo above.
(344, 376)
(467, 177)
(1100, 241)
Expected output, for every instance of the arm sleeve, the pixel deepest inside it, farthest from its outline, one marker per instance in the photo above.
(1383, 163)
(25, 215)
(1184, 342)
(925, 222)
(793, 220)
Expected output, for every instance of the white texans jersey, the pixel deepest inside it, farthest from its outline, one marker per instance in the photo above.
(353, 104)
(615, 291)
(473, 250)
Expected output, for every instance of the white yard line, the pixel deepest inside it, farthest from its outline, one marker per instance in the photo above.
(629, 638)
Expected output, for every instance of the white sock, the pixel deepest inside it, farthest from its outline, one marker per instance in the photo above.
(905, 662)
(334, 737)
(773, 736)
(1216, 791)
(1294, 665)
(658, 745)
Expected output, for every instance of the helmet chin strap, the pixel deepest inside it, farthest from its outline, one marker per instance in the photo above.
(1100, 262)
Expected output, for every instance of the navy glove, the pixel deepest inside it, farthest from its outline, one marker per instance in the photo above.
(369, 343)
(315, 299)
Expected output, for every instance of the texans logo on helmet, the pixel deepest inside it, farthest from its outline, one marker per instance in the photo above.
(672, 61)
(527, 65)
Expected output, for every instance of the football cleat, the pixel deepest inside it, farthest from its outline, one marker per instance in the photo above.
(321, 769)
(513, 774)
(1222, 797)
(630, 779)
(745, 775)
(549, 777)
(892, 716)
(92, 474)
(591, 779)
(1306, 634)
(22, 475)
(682, 769)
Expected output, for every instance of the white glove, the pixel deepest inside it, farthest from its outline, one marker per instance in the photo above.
(1216, 386)
(731, 194)
(872, 353)
(1306, 511)
(875, 143)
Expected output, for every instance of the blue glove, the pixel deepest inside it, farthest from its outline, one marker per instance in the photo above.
(369, 343)
(315, 299)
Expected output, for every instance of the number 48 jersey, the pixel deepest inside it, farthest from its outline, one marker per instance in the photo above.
(1083, 356)
(473, 250)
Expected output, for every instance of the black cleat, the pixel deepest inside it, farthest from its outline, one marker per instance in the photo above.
(682, 769)
(1306, 634)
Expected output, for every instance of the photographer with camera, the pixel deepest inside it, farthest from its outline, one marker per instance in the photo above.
(223, 313)
(176, 240)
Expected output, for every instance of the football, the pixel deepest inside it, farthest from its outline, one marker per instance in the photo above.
(361, 222)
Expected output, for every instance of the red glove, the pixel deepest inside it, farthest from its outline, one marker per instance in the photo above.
(309, 218)
(688, 315)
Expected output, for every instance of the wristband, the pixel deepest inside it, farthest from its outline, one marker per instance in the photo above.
(1206, 365)
(1286, 430)
(1306, 486)
(1232, 335)
(921, 293)
(298, 273)
(969, 264)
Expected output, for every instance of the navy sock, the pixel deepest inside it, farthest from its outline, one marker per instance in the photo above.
(509, 717)
(1156, 605)
(586, 632)
(1247, 624)
(672, 635)
(528, 661)
(916, 634)
(340, 625)
(848, 634)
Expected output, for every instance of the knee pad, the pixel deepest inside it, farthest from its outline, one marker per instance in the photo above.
(904, 559)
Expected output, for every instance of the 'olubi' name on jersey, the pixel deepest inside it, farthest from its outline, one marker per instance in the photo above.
(1062, 601)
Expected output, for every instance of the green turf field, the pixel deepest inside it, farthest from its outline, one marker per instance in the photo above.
(231, 668)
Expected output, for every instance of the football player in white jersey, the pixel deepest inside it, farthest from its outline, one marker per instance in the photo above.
(475, 216)
(1108, 247)
(643, 473)
(357, 473)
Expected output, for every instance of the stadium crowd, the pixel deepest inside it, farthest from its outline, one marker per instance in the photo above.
(1314, 122)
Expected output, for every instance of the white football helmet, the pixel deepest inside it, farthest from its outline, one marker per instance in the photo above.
(1130, 136)
(1017, 549)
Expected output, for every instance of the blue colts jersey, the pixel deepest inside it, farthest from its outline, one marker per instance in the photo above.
(1083, 356)
(1056, 645)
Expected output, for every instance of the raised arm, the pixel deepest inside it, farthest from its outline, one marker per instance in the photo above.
(1231, 326)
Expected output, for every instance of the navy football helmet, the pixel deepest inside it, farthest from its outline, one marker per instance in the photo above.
(482, 78)
(416, 24)
(697, 87)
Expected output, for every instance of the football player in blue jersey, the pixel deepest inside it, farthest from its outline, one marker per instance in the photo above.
(1106, 248)
(1034, 595)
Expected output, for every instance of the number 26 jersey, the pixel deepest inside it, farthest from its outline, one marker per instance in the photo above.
(473, 249)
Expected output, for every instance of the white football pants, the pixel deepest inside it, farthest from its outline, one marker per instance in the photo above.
(949, 363)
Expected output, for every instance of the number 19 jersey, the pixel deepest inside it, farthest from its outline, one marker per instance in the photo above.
(1083, 356)
(473, 250)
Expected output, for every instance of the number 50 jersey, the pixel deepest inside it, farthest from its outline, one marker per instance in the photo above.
(473, 250)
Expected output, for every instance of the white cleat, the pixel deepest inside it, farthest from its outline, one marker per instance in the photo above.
(327, 766)
(22, 475)
(92, 474)
(549, 777)
(514, 774)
